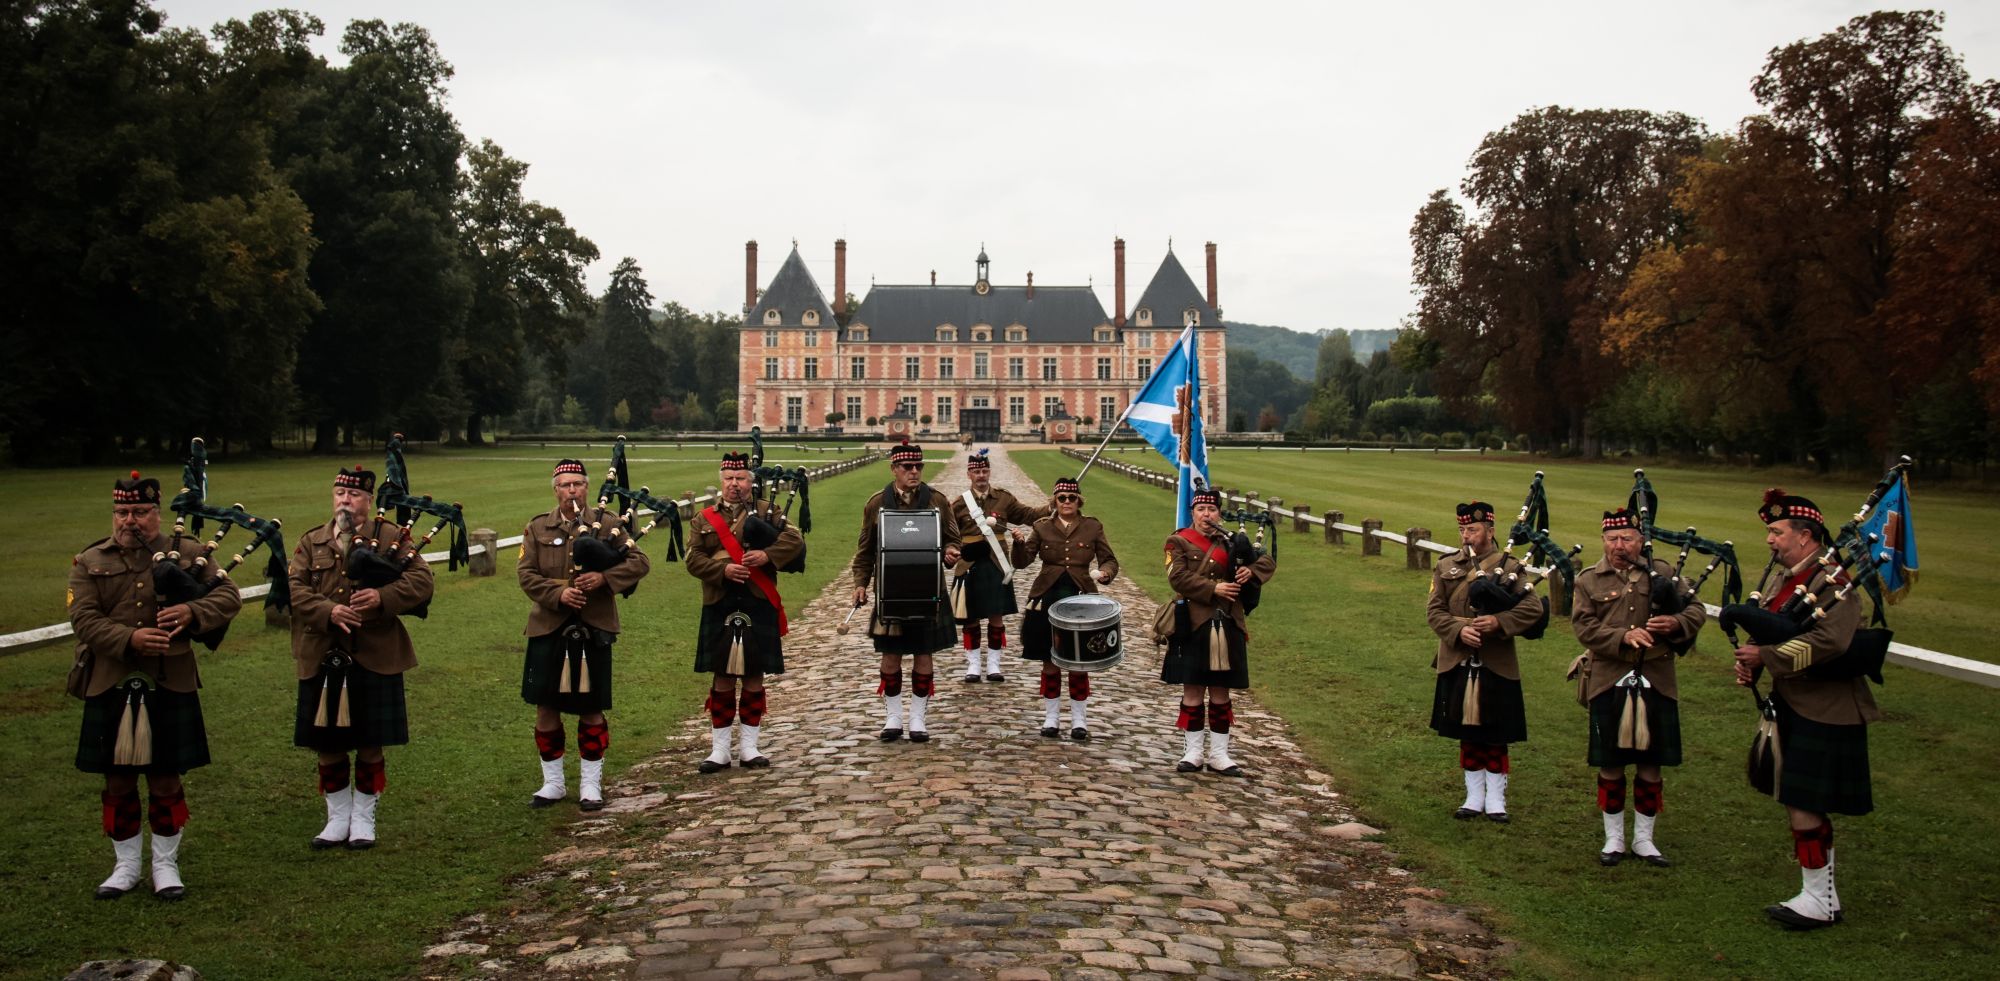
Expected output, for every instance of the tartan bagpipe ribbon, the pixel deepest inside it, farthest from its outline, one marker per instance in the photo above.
(617, 486)
(1531, 528)
(191, 507)
(1645, 503)
(394, 492)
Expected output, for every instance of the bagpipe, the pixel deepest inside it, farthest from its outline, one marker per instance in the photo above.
(176, 585)
(1672, 594)
(596, 550)
(1244, 551)
(766, 483)
(373, 563)
(1493, 593)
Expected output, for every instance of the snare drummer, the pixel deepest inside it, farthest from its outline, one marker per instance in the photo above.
(1208, 651)
(1067, 542)
(895, 640)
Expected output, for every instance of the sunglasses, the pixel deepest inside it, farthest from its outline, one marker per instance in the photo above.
(1069, 497)
(907, 466)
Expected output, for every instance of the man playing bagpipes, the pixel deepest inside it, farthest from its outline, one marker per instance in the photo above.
(1632, 695)
(896, 639)
(574, 561)
(983, 584)
(350, 649)
(1066, 542)
(1477, 609)
(1208, 653)
(137, 676)
(1819, 691)
(739, 545)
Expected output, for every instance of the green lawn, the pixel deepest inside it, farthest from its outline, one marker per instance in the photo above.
(454, 827)
(1340, 648)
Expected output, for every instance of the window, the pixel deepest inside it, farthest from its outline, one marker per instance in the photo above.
(947, 368)
(812, 336)
(770, 368)
(1017, 333)
(812, 369)
(907, 406)
(944, 408)
(857, 333)
(857, 368)
(1145, 368)
(947, 334)
(912, 368)
(1103, 369)
(1145, 317)
(1017, 369)
(1146, 338)
(979, 365)
(854, 408)
(795, 411)
(1191, 316)
(771, 317)
(1048, 369)
(770, 338)
(1050, 405)
(982, 335)
(1104, 333)
(1017, 410)
(1107, 411)
(981, 402)
(810, 318)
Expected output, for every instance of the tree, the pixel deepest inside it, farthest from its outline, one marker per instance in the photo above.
(1268, 419)
(621, 414)
(693, 416)
(1260, 379)
(1567, 201)
(1330, 413)
(631, 366)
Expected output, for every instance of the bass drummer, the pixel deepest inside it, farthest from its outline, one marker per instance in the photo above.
(1207, 653)
(1066, 541)
(895, 639)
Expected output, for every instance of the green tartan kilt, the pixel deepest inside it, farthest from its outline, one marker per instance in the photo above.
(1826, 766)
(1663, 720)
(542, 670)
(180, 741)
(1503, 714)
(1037, 640)
(763, 649)
(375, 710)
(1186, 662)
(988, 594)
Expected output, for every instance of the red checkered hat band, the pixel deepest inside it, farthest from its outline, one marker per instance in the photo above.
(1068, 485)
(355, 479)
(735, 461)
(136, 490)
(1475, 512)
(569, 466)
(1205, 496)
(1620, 518)
(907, 453)
(978, 461)
(1799, 511)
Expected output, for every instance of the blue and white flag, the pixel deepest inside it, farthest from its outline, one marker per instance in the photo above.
(1896, 540)
(1167, 412)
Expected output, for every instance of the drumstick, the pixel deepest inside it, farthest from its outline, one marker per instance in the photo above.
(842, 629)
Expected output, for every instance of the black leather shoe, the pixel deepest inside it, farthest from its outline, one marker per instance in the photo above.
(996, 676)
(1186, 767)
(891, 735)
(972, 679)
(1498, 817)
(710, 766)
(1465, 814)
(1793, 921)
(1234, 771)
(919, 736)
(1608, 859)
(360, 844)
(1659, 861)
(756, 763)
(171, 894)
(318, 845)
(107, 892)
(1051, 732)
(1079, 733)
(535, 801)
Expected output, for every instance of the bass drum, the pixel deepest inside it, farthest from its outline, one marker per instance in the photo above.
(1086, 632)
(909, 565)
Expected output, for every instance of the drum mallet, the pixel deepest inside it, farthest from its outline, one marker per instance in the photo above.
(842, 629)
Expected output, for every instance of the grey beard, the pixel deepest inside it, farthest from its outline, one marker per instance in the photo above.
(343, 531)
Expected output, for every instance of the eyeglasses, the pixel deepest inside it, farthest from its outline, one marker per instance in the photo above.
(138, 512)
(907, 466)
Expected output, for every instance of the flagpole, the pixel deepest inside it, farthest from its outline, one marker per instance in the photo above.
(1113, 431)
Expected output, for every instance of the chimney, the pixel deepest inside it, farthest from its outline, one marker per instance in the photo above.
(1031, 286)
(749, 276)
(1118, 252)
(933, 277)
(1211, 280)
(840, 277)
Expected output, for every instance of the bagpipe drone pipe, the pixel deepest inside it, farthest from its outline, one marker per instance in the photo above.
(767, 482)
(1671, 594)
(595, 550)
(176, 584)
(1245, 551)
(1494, 593)
(373, 563)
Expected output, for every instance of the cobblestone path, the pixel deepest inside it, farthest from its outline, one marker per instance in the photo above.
(988, 852)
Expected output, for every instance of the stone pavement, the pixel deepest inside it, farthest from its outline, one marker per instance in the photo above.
(988, 852)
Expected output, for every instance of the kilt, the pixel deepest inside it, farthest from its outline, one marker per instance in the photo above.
(1502, 713)
(763, 649)
(543, 666)
(1826, 766)
(374, 707)
(180, 741)
(907, 637)
(987, 593)
(1186, 662)
(1663, 719)
(1037, 640)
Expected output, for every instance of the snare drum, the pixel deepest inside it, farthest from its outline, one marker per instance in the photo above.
(1086, 633)
(909, 565)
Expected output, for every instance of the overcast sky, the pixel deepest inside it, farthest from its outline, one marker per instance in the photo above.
(1301, 138)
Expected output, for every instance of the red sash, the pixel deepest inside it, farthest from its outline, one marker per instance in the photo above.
(1216, 553)
(1784, 594)
(760, 575)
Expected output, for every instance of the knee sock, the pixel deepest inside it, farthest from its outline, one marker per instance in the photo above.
(370, 777)
(971, 637)
(1190, 719)
(121, 815)
(1611, 794)
(1471, 756)
(721, 707)
(1646, 796)
(1812, 845)
(892, 684)
(1079, 686)
(592, 739)
(920, 685)
(1051, 685)
(333, 777)
(1496, 759)
(996, 634)
(549, 743)
(1221, 715)
(752, 707)
(167, 815)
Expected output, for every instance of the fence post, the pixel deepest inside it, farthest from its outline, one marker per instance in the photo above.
(482, 563)
(1370, 545)
(1333, 535)
(1273, 505)
(1299, 518)
(1415, 555)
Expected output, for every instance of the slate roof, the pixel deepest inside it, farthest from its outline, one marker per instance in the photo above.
(910, 314)
(1171, 293)
(792, 292)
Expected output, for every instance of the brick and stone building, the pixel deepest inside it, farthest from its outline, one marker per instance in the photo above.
(983, 357)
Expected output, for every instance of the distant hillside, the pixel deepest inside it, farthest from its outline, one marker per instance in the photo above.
(1297, 350)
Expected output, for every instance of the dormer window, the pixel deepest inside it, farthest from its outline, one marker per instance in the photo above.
(1017, 334)
(947, 334)
(1145, 316)
(772, 317)
(982, 335)
(810, 318)
(1191, 317)
(1103, 334)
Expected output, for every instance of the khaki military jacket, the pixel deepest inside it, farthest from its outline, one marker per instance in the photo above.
(1607, 604)
(1002, 506)
(1450, 609)
(319, 583)
(1066, 553)
(1194, 576)
(543, 566)
(1842, 702)
(863, 565)
(111, 596)
(708, 560)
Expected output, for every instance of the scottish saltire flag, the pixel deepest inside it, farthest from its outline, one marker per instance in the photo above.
(1897, 536)
(1167, 412)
